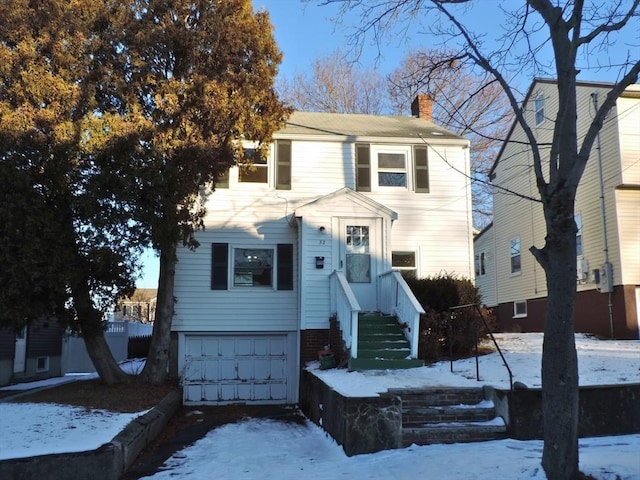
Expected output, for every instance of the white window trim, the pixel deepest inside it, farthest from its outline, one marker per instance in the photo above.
(404, 149)
(520, 315)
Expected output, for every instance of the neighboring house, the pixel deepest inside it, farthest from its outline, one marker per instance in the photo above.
(139, 307)
(32, 354)
(607, 213)
(306, 235)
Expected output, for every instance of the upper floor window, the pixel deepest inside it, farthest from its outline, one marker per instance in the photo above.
(516, 266)
(539, 109)
(254, 167)
(392, 169)
(578, 220)
(480, 268)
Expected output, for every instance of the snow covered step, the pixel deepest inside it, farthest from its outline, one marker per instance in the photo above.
(454, 432)
(418, 415)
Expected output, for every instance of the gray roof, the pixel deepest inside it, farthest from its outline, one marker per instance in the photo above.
(358, 125)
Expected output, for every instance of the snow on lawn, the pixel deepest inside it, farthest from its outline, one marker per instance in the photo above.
(269, 449)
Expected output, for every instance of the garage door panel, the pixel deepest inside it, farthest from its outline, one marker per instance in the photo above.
(226, 370)
(246, 368)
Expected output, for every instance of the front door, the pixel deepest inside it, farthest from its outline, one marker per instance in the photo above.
(20, 354)
(360, 250)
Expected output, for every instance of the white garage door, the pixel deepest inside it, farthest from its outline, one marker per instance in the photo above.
(231, 369)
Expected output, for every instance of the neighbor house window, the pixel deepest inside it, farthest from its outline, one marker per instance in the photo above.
(405, 262)
(519, 309)
(392, 169)
(516, 266)
(252, 267)
(254, 168)
(480, 268)
(578, 220)
(283, 164)
(539, 109)
(42, 364)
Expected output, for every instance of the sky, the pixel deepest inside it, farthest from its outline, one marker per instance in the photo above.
(306, 30)
(269, 449)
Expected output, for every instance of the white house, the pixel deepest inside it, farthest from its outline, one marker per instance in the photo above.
(311, 233)
(607, 216)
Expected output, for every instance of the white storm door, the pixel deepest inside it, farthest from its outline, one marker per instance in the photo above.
(360, 246)
(20, 353)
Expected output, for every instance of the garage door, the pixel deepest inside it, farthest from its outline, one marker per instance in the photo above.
(231, 369)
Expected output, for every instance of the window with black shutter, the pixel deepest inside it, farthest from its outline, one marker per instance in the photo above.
(219, 266)
(285, 266)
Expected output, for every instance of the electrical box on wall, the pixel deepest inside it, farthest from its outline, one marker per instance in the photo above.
(603, 278)
(582, 269)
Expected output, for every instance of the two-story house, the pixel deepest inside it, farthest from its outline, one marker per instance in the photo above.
(607, 214)
(310, 233)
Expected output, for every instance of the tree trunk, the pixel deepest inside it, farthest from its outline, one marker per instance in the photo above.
(91, 327)
(157, 365)
(559, 358)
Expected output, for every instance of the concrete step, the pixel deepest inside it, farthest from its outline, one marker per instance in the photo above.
(422, 415)
(384, 353)
(454, 432)
(438, 396)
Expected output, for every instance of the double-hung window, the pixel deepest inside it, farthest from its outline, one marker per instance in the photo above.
(392, 169)
(405, 261)
(253, 168)
(516, 265)
(539, 109)
(480, 266)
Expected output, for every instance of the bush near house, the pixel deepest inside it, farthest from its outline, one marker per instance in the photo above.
(445, 333)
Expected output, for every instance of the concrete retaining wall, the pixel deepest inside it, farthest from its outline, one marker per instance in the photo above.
(359, 424)
(372, 424)
(604, 410)
(108, 462)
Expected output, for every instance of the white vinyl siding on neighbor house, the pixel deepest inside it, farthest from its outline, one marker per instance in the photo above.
(484, 247)
(628, 115)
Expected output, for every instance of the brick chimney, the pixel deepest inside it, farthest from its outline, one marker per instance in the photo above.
(422, 107)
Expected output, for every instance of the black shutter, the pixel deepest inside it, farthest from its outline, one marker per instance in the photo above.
(219, 266)
(283, 165)
(363, 168)
(285, 266)
(421, 169)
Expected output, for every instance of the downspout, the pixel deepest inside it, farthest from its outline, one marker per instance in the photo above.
(594, 97)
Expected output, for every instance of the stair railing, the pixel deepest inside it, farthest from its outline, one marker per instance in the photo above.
(476, 307)
(345, 308)
(396, 298)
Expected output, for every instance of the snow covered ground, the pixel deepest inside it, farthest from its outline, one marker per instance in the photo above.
(270, 449)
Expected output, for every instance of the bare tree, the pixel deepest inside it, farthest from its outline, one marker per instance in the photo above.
(338, 85)
(465, 102)
(570, 32)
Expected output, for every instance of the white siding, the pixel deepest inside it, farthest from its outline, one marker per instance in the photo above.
(486, 283)
(436, 224)
(628, 115)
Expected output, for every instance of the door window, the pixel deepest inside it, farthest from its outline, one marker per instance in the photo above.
(358, 256)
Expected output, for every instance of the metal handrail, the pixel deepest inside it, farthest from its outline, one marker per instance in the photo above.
(486, 325)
